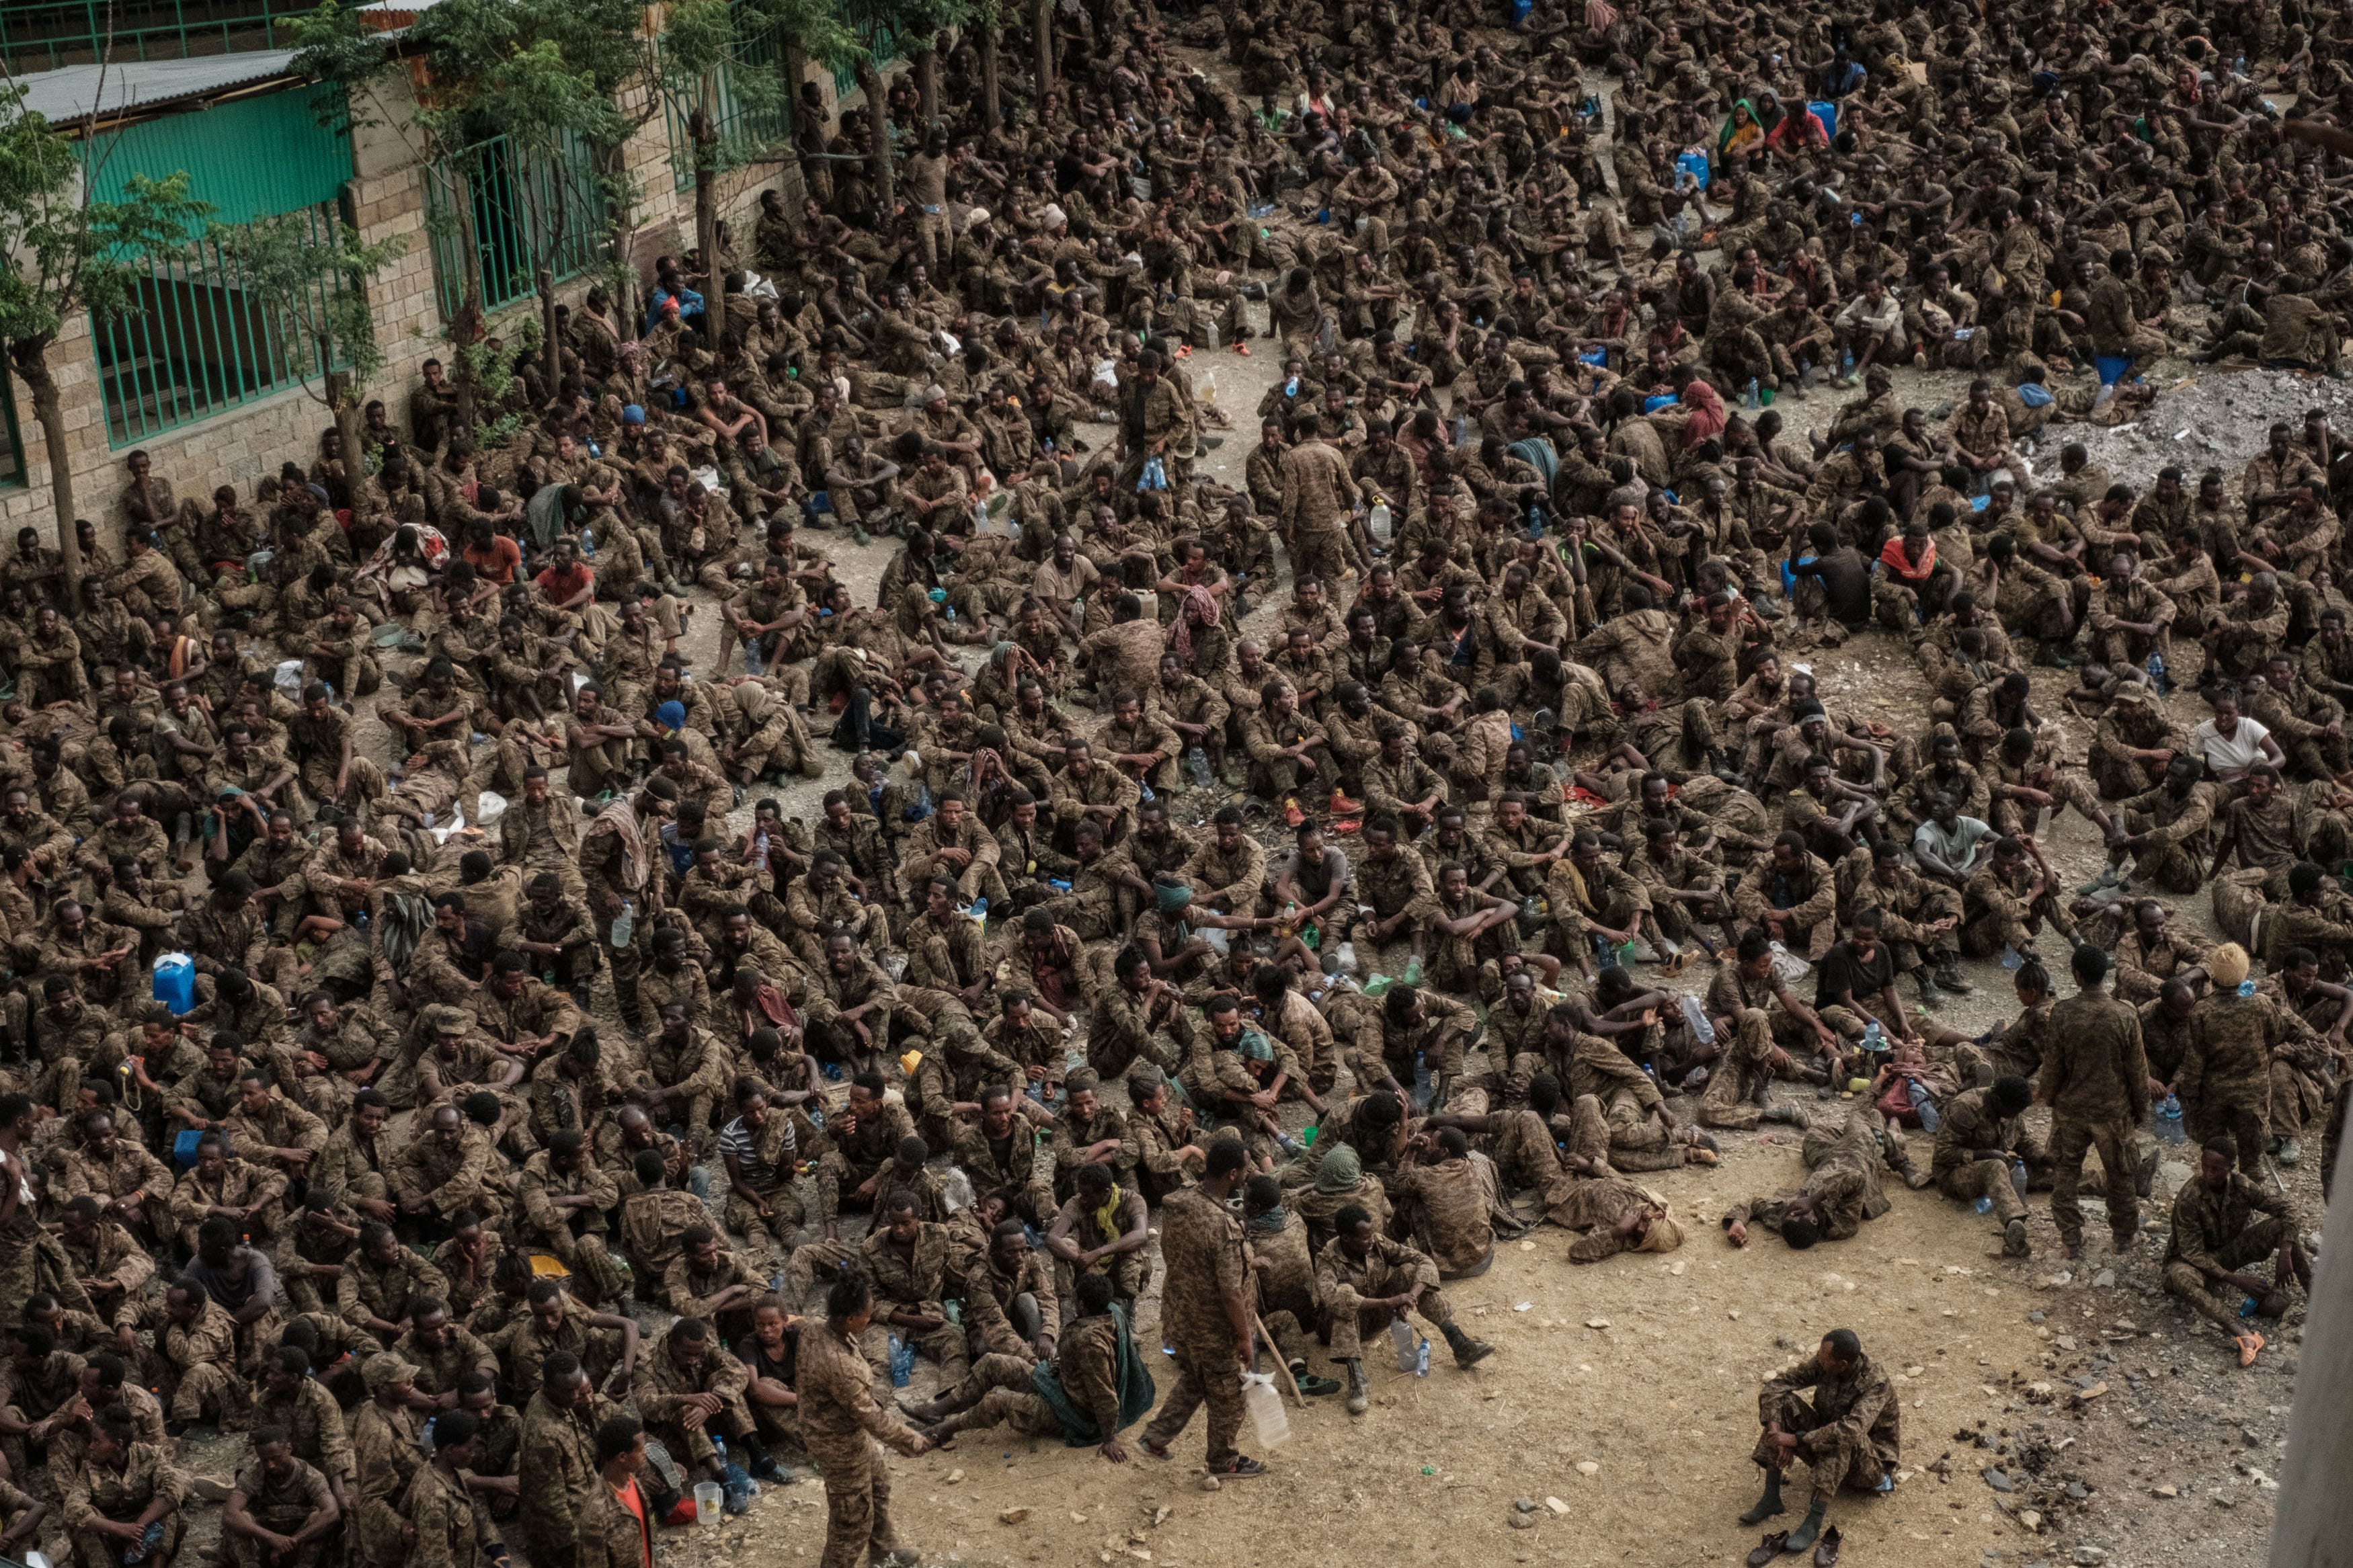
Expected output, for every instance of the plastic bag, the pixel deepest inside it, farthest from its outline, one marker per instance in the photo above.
(1266, 1411)
(288, 678)
(1787, 967)
(1406, 1344)
(488, 807)
(1107, 371)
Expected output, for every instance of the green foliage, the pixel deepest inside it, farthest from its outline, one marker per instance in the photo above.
(71, 254)
(344, 56)
(318, 294)
(815, 28)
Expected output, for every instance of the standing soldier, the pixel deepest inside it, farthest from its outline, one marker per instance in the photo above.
(1203, 1314)
(841, 1422)
(2096, 1080)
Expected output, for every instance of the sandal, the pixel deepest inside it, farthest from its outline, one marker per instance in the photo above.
(2250, 1346)
(1826, 1552)
(1769, 1549)
(1243, 1468)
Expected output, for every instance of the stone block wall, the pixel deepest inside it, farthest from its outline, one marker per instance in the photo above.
(388, 199)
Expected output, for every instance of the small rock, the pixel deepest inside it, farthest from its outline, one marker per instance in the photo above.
(1676, 1268)
(2075, 1489)
(1998, 1479)
(1077, 1518)
(1734, 1314)
(1210, 1483)
(1013, 1516)
(1522, 1520)
(1588, 1467)
(1558, 1506)
(2166, 1491)
(1527, 1504)
(2031, 1518)
(954, 1477)
(2103, 1279)
(1597, 1322)
(2037, 1316)
(2090, 1556)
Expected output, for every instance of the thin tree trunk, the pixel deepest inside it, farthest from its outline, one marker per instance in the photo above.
(1044, 22)
(545, 272)
(927, 83)
(613, 173)
(466, 331)
(345, 398)
(989, 111)
(31, 358)
(878, 136)
(702, 127)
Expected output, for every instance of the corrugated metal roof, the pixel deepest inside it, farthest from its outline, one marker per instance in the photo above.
(113, 90)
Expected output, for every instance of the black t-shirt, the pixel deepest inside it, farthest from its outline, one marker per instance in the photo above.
(1846, 584)
(1841, 971)
(783, 1367)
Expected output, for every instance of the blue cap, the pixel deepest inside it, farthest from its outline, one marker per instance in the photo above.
(633, 414)
(672, 715)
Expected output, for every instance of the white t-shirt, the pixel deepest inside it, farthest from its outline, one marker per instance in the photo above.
(2235, 751)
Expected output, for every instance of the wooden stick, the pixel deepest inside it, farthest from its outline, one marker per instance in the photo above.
(1280, 1364)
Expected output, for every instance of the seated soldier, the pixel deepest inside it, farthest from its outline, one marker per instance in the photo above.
(2216, 1239)
(1367, 1281)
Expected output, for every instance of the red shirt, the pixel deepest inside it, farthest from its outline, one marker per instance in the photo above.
(562, 586)
(496, 564)
(635, 1501)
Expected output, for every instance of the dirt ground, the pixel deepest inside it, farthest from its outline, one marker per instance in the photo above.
(1614, 1423)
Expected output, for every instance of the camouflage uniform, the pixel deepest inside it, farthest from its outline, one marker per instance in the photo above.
(2096, 1080)
(2216, 1234)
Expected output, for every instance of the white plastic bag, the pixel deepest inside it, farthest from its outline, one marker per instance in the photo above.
(1266, 1411)
(1787, 967)
(456, 824)
(288, 678)
(488, 807)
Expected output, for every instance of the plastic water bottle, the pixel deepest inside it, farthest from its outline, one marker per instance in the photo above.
(902, 1362)
(1196, 763)
(2011, 959)
(1749, 397)
(1291, 387)
(588, 544)
(1874, 1038)
(1265, 1406)
(624, 924)
(1379, 521)
(2156, 672)
(2168, 1120)
(1696, 1018)
(1985, 1205)
(979, 910)
(1421, 1358)
(2017, 1176)
(1402, 1337)
(1347, 957)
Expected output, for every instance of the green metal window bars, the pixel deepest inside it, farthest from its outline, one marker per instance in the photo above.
(43, 35)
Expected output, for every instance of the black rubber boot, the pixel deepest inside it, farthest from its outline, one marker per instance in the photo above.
(1468, 1351)
(1769, 1505)
(1802, 1538)
(1360, 1393)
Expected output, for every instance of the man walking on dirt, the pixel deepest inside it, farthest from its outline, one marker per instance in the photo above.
(1204, 1315)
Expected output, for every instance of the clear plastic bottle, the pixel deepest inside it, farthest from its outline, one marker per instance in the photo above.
(1695, 1017)
(1196, 763)
(2169, 1120)
(1379, 521)
(624, 924)
(1267, 1415)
